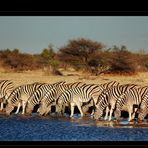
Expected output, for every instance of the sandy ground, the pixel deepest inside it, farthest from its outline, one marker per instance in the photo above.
(72, 76)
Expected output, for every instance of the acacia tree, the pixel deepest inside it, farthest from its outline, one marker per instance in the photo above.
(122, 61)
(80, 53)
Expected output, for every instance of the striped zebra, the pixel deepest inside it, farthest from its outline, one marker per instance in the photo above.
(51, 96)
(138, 97)
(108, 99)
(143, 109)
(36, 97)
(101, 88)
(128, 101)
(78, 96)
(6, 87)
(19, 97)
(75, 97)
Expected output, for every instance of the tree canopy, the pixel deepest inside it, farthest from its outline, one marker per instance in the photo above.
(81, 54)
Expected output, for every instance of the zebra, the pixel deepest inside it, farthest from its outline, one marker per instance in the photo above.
(101, 87)
(19, 97)
(6, 87)
(143, 107)
(140, 98)
(108, 99)
(50, 98)
(128, 101)
(36, 97)
(78, 96)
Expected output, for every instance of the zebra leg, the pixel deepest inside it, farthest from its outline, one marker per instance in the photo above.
(56, 108)
(72, 109)
(106, 114)
(133, 114)
(92, 113)
(63, 109)
(18, 108)
(79, 107)
(23, 107)
(110, 115)
(2, 105)
(130, 113)
(129, 119)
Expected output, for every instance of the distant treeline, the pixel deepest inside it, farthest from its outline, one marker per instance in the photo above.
(81, 54)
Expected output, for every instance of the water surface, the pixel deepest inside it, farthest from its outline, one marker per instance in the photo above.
(51, 128)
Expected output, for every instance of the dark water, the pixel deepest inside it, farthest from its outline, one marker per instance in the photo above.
(21, 128)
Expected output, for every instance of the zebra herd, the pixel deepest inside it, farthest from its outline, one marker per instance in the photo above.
(108, 98)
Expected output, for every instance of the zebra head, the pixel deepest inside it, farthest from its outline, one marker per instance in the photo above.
(29, 109)
(59, 105)
(86, 105)
(85, 108)
(103, 97)
(141, 116)
(98, 113)
(101, 104)
(142, 112)
(117, 114)
(42, 107)
(9, 108)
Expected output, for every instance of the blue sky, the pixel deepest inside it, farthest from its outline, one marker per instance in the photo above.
(31, 34)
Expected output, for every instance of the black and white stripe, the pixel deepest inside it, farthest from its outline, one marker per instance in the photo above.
(95, 95)
(19, 97)
(143, 108)
(78, 96)
(6, 87)
(36, 97)
(138, 97)
(51, 96)
(107, 99)
(128, 101)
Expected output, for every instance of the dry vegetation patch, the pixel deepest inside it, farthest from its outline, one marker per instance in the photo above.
(70, 76)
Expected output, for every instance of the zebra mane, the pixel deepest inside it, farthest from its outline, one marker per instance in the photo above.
(60, 82)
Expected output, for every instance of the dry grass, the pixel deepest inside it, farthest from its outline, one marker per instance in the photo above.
(72, 76)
